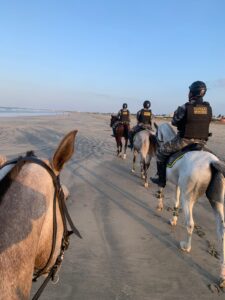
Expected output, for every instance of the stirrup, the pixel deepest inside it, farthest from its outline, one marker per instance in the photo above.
(155, 180)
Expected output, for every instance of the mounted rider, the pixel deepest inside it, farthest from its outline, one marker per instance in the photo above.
(123, 117)
(144, 121)
(192, 121)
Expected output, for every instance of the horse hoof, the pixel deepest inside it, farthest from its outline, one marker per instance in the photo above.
(146, 184)
(159, 207)
(132, 170)
(124, 156)
(173, 222)
(222, 283)
(183, 247)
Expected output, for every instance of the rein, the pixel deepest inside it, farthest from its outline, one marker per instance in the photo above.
(58, 194)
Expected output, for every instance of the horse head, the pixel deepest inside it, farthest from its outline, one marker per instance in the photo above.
(32, 202)
(113, 119)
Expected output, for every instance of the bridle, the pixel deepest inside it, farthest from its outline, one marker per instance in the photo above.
(58, 194)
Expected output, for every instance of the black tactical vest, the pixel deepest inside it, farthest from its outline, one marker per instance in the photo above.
(145, 116)
(198, 118)
(124, 115)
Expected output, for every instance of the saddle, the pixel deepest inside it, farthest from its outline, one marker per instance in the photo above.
(178, 155)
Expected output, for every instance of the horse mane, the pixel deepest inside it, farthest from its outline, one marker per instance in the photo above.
(167, 132)
(7, 180)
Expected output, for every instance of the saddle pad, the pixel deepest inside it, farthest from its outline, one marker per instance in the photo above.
(178, 155)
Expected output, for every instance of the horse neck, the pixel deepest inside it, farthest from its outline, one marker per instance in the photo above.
(167, 132)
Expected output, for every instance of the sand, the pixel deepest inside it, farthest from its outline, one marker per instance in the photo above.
(128, 250)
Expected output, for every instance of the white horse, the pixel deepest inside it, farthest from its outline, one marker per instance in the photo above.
(145, 146)
(196, 173)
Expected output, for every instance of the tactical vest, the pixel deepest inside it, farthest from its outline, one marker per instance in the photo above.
(124, 115)
(198, 118)
(145, 116)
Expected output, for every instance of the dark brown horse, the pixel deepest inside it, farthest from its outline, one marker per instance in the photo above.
(121, 131)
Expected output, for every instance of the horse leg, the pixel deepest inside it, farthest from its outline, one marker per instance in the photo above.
(121, 147)
(134, 160)
(118, 149)
(142, 169)
(160, 197)
(215, 194)
(146, 167)
(119, 144)
(187, 203)
(219, 214)
(173, 221)
(125, 149)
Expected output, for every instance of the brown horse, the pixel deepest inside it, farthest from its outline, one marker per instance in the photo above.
(121, 131)
(33, 231)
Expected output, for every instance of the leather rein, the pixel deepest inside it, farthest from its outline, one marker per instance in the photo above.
(58, 194)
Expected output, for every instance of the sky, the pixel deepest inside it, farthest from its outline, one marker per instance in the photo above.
(95, 55)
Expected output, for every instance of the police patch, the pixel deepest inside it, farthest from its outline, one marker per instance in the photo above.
(200, 110)
(147, 113)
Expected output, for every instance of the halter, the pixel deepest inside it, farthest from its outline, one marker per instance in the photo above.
(58, 194)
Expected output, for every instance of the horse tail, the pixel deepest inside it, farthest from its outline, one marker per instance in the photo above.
(219, 166)
(152, 145)
(216, 189)
(126, 131)
(145, 149)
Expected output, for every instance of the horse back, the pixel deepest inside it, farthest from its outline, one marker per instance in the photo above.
(193, 169)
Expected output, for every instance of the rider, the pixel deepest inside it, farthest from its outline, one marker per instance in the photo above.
(144, 121)
(123, 117)
(192, 121)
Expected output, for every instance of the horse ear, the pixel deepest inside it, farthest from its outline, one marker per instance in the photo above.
(64, 151)
(156, 126)
(3, 159)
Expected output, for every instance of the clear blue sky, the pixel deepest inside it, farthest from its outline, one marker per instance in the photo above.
(95, 55)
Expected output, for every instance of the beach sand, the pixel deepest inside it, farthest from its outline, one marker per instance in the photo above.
(128, 250)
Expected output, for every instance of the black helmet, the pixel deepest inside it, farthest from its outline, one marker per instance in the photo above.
(198, 89)
(147, 104)
(124, 105)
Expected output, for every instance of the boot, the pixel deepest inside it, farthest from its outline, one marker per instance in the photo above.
(131, 141)
(161, 170)
(114, 132)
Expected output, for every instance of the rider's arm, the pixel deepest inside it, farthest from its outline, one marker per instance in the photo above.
(138, 115)
(210, 111)
(150, 121)
(178, 115)
(129, 115)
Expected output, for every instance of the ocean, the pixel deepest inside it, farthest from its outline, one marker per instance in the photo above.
(17, 111)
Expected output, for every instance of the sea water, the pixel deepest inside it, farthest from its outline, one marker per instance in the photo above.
(17, 111)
